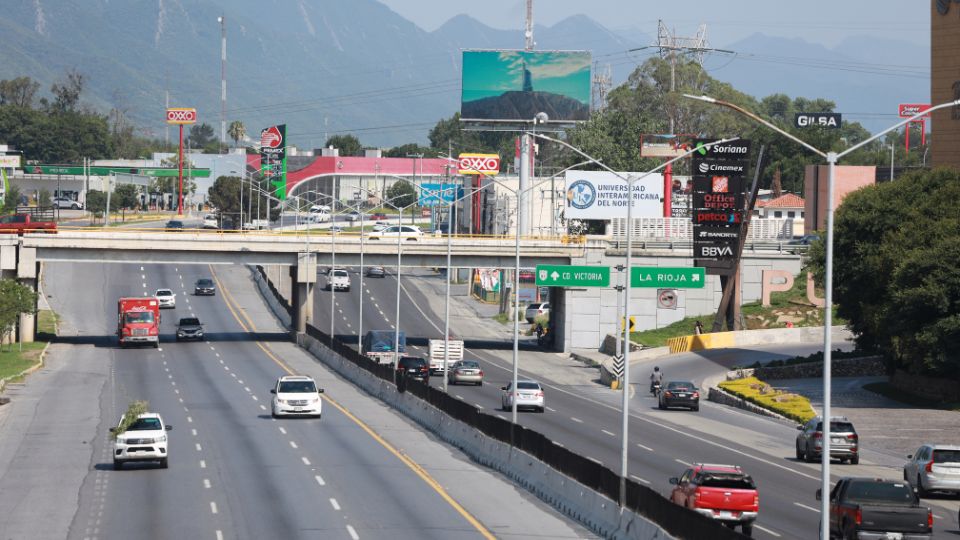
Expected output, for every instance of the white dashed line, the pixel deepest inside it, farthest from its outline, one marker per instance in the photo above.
(551, 409)
(595, 460)
(203, 464)
(610, 433)
(255, 398)
(305, 460)
(320, 480)
(213, 507)
(353, 533)
(477, 405)
(502, 417)
(226, 368)
(194, 432)
(234, 375)
(199, 448)
(293, 444)
(206, 483)
(559, 444)
(247, 388)
(937, 517)
(334, 504)
(217, 355)
(577, 420)
(283, 430)
(176, 391)
(211, 348)
(181, 399)
(219, 534)
(682, 462)
(766, 530)
(641, 480)
(240, 381)
(190, 419)
(263, 407)
(647, 448)
(458, 396)
(810, 508)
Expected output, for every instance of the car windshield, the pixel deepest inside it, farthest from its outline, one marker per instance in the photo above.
(837, 427)
(297, 387)
(164, 292)
(138, 317)
(189, 322)
(413, 362)
(726, 481)
(528, 385)
(946, 456)
(533, 306)
(204, 283)
(680, 385)
(174, 224)
(880, 492)
(146, 424)
(469, 365)
(340, 273)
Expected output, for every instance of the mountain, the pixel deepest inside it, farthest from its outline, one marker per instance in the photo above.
(517, 104)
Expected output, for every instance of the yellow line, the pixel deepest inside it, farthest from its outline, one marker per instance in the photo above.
(412, 465)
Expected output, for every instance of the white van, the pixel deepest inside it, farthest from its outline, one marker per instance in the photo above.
(320, 213)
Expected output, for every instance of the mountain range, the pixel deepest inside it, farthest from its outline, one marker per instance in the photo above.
(355, 66)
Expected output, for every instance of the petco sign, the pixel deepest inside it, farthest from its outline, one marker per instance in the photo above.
(181, 116)
(488, 164)
(906, 110)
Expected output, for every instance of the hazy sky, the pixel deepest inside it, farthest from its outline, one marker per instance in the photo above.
(822, 21)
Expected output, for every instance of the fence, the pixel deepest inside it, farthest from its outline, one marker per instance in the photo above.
(682, 228)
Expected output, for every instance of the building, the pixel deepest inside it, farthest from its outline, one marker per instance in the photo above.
(788, 205)
(945, 82)
(847, 179)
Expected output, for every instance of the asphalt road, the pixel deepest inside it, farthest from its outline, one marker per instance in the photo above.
(359, 472)
(587, 418)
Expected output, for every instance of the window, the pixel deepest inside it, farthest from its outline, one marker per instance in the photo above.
(138, 317)
(946, 456)
(778, 214)
(528, 385)
(297, 387)
(791, 214)
(725, 481)
(145, 424)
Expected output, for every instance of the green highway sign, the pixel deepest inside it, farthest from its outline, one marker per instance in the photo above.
(77, 170)
(667, 278)
(550, 275)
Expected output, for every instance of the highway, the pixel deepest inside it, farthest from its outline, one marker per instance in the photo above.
(585, 417)
(359, 472)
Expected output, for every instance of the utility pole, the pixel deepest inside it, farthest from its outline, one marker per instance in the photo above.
(528, 33)
(223, 81)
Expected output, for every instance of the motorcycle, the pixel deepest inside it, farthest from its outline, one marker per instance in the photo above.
(655, 388)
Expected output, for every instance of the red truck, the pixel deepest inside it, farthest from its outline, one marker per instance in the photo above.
(721, 492)
(29, 219)
(138, 321)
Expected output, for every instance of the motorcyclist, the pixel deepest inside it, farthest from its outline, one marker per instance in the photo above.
(656, 377)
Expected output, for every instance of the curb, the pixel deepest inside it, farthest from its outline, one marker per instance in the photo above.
(722, 397)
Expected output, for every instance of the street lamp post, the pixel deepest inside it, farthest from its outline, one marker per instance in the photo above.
(832, 159)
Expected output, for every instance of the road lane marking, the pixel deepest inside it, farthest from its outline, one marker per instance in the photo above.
(610, 433)
(203, 464)
(263, 407)
(320, 480)
(219, 534)
(199, 448)
(190, 419)
(206, 483)
(213, 507)
(551, 409)
(647, 448)
(766, 530)
(283, 430)
(234, 375)
(641, 480)
(577, 420)
(334, 503)
(241, 382)
(682, 462)
(305, 460)
(255, 398)
(595, 460)
(293, 445)
(194, 432)
(353, 533)
(477, 405)
(810, 508)
(247, 388)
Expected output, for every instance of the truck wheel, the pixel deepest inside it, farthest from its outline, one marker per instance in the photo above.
(747, 529)
(855, 459)
(163, 463)
(849, 531)
(921, 492)
(117, 464)
(800, 455)
(156, 344)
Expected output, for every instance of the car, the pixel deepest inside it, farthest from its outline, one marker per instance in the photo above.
(166, 298)
(414, 367)
(875, 508)
(354, 216)
(410, 233)
(210, 221)
(338, 280)
(145, 439)
(721, 492)
(64, 202)
(375, 271)
(536, 309)
(204, 287)
(528, 396)
(804, 240)
(189, 328)
(527, 276)
(844, 441)
(934, 467)
(465, 371)
(335, 229)
(378, 216)
(296, 395)
(174, 225)
(679, 394)
(379, 226)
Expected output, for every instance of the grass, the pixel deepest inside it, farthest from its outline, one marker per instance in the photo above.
(792, 303)
(13, 361)
(46, 324)
(793, 406)
(889, 391)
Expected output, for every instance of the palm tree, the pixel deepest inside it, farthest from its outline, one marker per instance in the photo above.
(237, 131)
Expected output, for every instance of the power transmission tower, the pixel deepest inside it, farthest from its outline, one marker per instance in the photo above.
(602, 83)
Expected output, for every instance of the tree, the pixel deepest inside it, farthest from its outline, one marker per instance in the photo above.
(125, 196)
(15, 299)
(895, 277)
(97, 202)
(66, 94)
(236, 130)
(409, 149)
(18, 92)
(401, 194)
(11, 199)
(201, 136)
(44, 198)
(349, 145)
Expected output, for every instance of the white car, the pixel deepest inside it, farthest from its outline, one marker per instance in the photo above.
(166, 298)
(528, 396)
(210, 222)
(380, 225)
(63, 202)
(410, 233)
(296, 395)
(338, 280)
(144, 440)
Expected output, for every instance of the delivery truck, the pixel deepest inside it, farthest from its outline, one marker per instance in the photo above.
(378, 345)
(138, 321)
(436, 352)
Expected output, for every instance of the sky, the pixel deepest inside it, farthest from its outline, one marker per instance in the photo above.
(820, 21)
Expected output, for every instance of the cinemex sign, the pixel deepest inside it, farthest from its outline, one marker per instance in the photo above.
(486, 164)
(181, 115)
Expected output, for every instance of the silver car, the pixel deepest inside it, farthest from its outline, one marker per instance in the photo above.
(844, 441)
(465, 371)
(529, 395)
(534, 310)
(934, 467)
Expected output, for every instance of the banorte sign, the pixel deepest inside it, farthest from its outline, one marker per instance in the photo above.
(486, 164)
(181, 115)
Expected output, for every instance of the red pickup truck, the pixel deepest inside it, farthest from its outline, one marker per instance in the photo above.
(721, 492)
(29, 219)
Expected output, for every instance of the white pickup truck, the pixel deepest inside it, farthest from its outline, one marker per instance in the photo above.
(338, 280)
(436, 349)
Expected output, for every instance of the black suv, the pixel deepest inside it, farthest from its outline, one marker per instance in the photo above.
(204, 287)
(174, 225)
(189, 328)
(414, 367)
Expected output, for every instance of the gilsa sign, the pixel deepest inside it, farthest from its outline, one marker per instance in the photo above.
(825, 120)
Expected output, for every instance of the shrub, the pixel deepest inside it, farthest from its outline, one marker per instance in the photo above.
(134, 411)
(755, 391)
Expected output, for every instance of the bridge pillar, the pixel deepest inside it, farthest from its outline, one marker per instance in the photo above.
(302, 278)
(8, 270)
(27, 272)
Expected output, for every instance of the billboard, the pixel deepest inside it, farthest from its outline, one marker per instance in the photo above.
(486, 164)
(719, 196)
(517, 85)
(273, 159)
(438, 194)
(9, 162)
(604, 195)
(906, 110)
(181, 115)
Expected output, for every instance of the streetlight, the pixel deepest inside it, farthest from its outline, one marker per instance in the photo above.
(625, 403)
(832, 158)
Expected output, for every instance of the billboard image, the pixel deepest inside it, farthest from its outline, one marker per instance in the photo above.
(516, 85)
(273, 159)
(603, 195)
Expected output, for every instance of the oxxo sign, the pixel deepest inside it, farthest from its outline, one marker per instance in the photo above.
(487, 164)
(181, 115)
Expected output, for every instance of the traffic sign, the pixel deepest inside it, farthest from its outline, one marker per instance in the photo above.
(667, 298)
(662, 278)
(550, 275)
(633, 323)
(618, 366)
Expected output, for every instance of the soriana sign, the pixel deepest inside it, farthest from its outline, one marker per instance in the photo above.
(906, 110)
(181, 115)
(488, 164)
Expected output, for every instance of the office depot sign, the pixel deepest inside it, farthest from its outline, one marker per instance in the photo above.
(181, 116)
(906, 110)
(487, 164)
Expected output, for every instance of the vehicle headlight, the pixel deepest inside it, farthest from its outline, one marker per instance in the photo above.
(281, 401)
(162, 438)
(314, 400)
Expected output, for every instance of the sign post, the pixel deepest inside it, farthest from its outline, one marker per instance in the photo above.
(181, 116)
(549, 275)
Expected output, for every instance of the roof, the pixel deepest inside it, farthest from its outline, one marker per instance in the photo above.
(296, 378)
(717, 468)
(788, 200)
